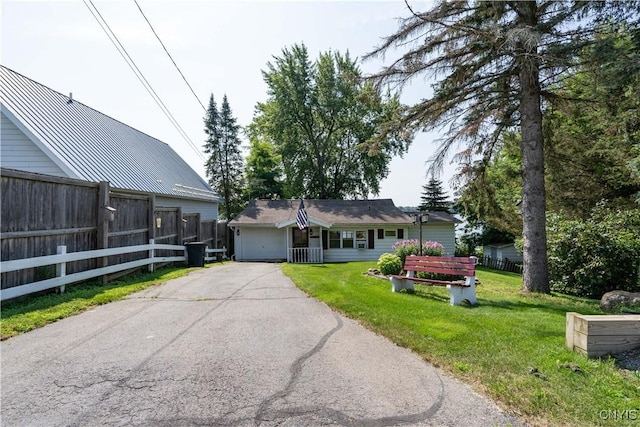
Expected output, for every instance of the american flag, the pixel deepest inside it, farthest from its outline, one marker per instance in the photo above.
(301, 217)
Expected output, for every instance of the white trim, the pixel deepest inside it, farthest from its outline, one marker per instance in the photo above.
(311, 221)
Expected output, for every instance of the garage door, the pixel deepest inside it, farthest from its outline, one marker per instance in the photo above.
(263, 244)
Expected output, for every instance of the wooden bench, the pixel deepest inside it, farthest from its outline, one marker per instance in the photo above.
(459, 290)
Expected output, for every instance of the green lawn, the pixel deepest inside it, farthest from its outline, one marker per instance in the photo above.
(25, 314)
(510, 346)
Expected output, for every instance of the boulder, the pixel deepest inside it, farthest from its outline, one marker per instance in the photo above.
(612, 301)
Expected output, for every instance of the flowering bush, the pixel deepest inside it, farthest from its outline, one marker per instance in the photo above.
(403, 248)
(389, 264)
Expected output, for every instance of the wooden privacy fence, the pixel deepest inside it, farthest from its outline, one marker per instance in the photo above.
(40, 213)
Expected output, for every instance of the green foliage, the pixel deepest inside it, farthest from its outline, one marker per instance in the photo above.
(263, 171)
(225, 165)
(404, 248)
(433, 197)
(389, 264)
(597, 255)
(320, 117)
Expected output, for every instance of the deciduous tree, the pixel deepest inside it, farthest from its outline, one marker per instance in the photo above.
(319, 116)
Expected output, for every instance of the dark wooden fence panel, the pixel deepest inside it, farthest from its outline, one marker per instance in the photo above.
(191, 227)
(38, 213)
(130, 225)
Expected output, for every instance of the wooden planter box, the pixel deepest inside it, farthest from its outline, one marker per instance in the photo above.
(598, 335)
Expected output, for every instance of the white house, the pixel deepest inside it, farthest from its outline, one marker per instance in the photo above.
(339, 230)
(497, 251)
(46, 132)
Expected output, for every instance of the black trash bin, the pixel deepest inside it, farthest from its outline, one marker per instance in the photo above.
(195, 254)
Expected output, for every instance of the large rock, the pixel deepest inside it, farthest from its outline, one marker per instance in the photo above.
(612, 301)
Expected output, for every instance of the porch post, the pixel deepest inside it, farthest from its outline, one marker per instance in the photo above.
(287, 239)
(321, 247)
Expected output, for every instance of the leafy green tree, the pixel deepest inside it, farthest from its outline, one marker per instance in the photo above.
(263, 171)
(497, 60)
(224, 167)
(319, 117)
(433, 197)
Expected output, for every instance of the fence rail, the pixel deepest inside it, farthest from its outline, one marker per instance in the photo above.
(61, 259)
(503, 264)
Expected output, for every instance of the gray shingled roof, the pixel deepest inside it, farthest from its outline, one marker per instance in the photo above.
(95, 147)
(332, 212)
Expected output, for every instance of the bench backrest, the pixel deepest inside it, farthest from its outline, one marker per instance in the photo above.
(458, 266)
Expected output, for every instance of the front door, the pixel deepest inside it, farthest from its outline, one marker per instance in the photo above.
(300, 238)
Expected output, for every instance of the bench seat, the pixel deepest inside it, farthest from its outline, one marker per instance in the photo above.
(459, 290)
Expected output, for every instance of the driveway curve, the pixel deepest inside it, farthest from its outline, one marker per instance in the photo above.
(231, 345)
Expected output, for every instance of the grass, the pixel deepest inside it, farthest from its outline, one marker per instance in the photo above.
(510, 346)
(25, 314)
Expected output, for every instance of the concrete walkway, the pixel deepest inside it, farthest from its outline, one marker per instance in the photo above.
(232, 345)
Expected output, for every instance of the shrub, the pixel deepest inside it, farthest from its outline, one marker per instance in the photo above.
(389, 264)
(403, 248)
(589, 258)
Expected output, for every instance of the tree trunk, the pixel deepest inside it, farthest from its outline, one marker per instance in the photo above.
(535, 275)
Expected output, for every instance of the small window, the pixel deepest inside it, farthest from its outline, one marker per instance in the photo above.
(390, 233)
(347, 239)
(334, 239)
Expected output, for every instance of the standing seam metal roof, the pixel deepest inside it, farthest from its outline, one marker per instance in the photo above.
(97, 147)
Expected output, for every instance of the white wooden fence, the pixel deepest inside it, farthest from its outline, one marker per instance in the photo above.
(61, 259)
(305, 255)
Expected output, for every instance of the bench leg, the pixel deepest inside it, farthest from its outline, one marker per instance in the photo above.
(460, 293)
(398, 284)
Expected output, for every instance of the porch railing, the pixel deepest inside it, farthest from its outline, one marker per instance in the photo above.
(305, 255)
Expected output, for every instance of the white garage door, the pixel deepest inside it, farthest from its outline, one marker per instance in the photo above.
(263, 244)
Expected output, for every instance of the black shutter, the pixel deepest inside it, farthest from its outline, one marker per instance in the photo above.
(400, 233)
(325, 239)
(371, 241)
(380, 233)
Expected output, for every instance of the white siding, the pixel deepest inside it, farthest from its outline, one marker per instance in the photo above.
(441, 232)
(381, 246)
(208, 210)
(511, 253)
(17, 151)
(260, 244)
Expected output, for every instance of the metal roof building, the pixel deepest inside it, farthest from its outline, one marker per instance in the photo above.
(44, 131)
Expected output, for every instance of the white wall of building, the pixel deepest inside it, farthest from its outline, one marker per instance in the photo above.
(19, 152)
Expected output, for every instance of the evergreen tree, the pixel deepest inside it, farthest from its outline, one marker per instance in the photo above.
(224, 167)
(497, 60)
(433, 197)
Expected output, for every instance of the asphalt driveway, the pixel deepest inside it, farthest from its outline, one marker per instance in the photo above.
(232, 345)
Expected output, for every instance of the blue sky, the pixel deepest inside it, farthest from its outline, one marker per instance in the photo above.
(221, 47)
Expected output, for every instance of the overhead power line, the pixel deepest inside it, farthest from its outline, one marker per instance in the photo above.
(170, 57)
(131, 63)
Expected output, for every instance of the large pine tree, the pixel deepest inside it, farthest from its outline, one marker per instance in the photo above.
(496, 61)
(224, 167)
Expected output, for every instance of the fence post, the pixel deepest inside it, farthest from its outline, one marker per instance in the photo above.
(103, 225)
(61, 267)
(152, 254)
